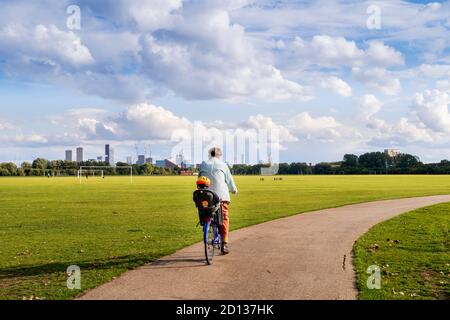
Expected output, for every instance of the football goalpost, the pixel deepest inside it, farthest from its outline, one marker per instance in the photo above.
(92, 170)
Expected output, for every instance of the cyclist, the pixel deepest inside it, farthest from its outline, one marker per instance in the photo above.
(222, 183)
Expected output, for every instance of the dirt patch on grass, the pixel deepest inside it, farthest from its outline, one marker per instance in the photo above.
(436, 281)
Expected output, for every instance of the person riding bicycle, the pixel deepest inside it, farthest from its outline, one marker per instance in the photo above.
(222, 183)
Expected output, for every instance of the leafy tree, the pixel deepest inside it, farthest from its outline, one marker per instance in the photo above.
(374, 160)
(350, 161)
(40, 163)
(10, 167)
(406, 161)
(26, 168)
(323, 168)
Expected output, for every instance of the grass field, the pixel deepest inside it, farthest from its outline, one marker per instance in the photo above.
(413, 253)
(109, 226)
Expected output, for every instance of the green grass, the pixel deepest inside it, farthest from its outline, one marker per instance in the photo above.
(413, 253)
(109, 226)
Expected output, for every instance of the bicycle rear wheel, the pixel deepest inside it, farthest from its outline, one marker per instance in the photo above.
(208, 231)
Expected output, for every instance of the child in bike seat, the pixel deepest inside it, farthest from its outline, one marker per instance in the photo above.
(206, 201)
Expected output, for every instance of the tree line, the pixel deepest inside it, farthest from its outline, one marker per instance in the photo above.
(367, 163)
(44, 167)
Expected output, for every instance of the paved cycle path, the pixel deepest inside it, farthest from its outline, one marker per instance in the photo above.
(306, 256)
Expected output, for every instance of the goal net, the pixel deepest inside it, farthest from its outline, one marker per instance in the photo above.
(86, 171)
(91, 172)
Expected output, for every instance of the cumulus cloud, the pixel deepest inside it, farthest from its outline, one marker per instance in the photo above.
(436, 71)
(150, 15)
(261, 122)
(368, 106)
(331, 51)
(443, 85)
(5, 125)
(44, 43)
(431, 108)
(378, 78)
(379, 54)
(140, 49)
(137, 122)
(369, 66)
(320, 128)
(144, 122)
(327, 51)
(428, 125)
(217, 61)
(401, 133)
(336, 85)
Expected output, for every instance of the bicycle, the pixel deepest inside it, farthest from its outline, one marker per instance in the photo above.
(211, 236)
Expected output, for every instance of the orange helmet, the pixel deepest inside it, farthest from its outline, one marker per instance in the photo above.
(203, 181)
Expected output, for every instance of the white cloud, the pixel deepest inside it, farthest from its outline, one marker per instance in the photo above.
(44, 43)
(379, 79)
(402, 133)
(150, 122)
(329, 51)
(261, 122)
(435, 71)
(320, 128)
(379, 54)
(137, 122)
(150, 15)
(443, 85)
(139, 49)
(4, 125)
(147, 121)
(368, 106)
(34, 138)
(336, 85)
(411, 132)
(431, 108)
(218, 61)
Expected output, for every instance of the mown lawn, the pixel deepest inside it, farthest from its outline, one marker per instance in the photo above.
(109, 226)
(413, 254)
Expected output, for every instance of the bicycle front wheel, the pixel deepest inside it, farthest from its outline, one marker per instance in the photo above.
(208, 230)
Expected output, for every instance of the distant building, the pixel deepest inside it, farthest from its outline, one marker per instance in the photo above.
(129, 161)
(392, 152)
(69, 155)
(179, 159)
(100, 159)
(187, 165)
(149, 160)
(107, 154)
(141, 159)
(79, 154)
(166, 163)
(169, 164)
(111, 160)
(160, 163)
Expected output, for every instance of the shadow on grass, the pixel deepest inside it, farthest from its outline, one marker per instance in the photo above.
(123, 262)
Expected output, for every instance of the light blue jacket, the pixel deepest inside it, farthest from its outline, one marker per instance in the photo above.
(221, 179)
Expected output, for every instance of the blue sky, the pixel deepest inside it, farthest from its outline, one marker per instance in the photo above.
(135, 72)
